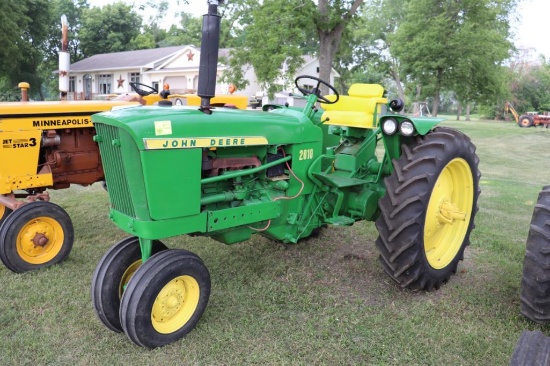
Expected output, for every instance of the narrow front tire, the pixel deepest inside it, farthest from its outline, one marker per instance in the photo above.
(111, 276)
(36, 235)
(165, 298)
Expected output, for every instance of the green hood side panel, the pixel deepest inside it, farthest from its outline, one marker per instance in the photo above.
(283, 126)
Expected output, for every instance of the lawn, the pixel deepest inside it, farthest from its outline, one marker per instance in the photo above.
(324, 301)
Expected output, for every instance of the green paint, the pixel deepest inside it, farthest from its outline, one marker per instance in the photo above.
(162, 167)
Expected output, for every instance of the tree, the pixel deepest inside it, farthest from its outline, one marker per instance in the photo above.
(109, 29)
(330, 20)
(455, 45)
(379, 21)
(271, 43)
(32, 32)
(189, 32)
(280, 32)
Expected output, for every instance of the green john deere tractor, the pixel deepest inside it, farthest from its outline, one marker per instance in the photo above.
(282, 173)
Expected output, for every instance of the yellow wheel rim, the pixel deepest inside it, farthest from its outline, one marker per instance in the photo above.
(127, 275)
(2, 211)
(40, 240)
(448, 214)
(175, 304)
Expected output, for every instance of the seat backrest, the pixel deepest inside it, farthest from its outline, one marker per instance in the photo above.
(366, 90)
(360, 108)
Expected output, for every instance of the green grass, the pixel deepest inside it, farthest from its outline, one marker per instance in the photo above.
(325, 301)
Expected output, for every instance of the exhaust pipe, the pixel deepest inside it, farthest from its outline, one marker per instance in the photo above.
(64, 59)
(210, 45)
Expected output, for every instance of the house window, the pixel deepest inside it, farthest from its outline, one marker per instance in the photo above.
(135, 77)
(156, 85)
(72, 84)
(104, 83)
(307, 87)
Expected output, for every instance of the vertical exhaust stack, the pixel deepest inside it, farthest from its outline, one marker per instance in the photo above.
(64, 59)
(210, 45)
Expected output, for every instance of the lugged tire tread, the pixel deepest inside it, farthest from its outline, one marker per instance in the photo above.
(532, 348)
(400, 224)
(535, 283)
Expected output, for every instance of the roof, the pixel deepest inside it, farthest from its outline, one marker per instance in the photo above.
(126, 59)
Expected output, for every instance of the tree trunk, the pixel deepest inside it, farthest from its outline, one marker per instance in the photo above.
(468, 110)
(329, 42)
(439, 77)
(329, 38)
(418, 92)
(397, 79)
(435, 105)
(458, 111)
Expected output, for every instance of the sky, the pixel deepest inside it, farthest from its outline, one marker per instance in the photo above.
(529, 27)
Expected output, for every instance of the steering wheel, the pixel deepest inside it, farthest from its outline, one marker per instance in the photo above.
(137, 89)
(316, 89)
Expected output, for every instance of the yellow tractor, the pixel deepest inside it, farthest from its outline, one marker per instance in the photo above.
(46, 145)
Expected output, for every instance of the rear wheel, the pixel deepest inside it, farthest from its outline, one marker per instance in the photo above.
(428, 211)
(36, 235)
(165, 298)
(533, 348)
(525, 121)
(112, 275)
(535, 284)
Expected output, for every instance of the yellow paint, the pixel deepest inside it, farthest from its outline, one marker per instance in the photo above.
(19, 152)
(33, 254)
(175, 304)
(358, 109)
(239, 101)
(448, 213)
(127, 275)
(21, 127)
(199, 142)
(45, 115)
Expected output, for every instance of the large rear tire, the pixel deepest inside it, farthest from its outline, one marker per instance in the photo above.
(525, 121)
(535, 284)
(428, 210)
(165, 298)
(112, 275)
(533, 349)
(36, 235)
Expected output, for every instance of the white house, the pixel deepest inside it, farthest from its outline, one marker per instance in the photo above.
(111, 73)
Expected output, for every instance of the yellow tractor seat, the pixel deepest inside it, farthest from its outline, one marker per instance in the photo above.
(358, 109)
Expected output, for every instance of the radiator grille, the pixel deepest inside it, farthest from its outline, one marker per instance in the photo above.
(113, 166)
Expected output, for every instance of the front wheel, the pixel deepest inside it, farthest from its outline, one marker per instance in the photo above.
(36, 235)
(428, 210)
(112, 275)
(4, 212)
(535, 283)
(165, 298)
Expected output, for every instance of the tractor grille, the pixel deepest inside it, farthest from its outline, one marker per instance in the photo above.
(113, 166)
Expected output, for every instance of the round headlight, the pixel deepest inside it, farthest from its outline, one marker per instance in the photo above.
(389, 126)
(406, 128)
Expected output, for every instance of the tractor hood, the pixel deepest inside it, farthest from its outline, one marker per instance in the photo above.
(159, 127)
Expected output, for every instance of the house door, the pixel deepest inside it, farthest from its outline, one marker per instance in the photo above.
(178, 84)
(87, 86)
